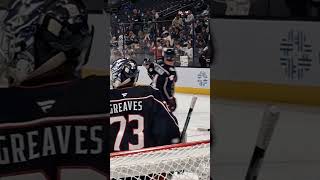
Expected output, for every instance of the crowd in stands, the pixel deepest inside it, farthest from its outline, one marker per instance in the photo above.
(146, 32)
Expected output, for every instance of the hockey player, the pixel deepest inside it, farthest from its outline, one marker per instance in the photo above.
(164, 77)
(51, 119)
(138, 116)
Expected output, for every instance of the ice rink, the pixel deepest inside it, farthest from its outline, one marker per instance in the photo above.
(200, 117)
(294, 151)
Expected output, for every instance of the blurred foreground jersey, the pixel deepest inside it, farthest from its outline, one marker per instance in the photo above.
(55, 132)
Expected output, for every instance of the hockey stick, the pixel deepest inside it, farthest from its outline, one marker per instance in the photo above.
(184, 131)
(269, 121)
(203, 129)
(200, 129)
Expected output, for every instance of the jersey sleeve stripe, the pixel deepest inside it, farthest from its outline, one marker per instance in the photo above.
(168, 111)
(155, 79)
(165, 89)
(128, 99)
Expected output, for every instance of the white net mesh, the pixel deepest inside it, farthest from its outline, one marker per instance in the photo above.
(177, 162)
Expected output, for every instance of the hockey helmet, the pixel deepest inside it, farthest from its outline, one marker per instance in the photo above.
(124, 72)
(169, 54)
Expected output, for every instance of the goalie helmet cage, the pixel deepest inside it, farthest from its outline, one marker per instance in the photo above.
(187, 161)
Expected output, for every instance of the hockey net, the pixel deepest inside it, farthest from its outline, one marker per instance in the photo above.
(189, 161)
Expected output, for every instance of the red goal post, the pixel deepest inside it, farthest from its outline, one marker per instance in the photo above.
(186, 161)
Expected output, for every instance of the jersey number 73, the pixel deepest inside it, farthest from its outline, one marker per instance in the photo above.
(139, 132)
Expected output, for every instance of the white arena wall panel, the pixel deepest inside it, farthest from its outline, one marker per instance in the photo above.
(267, 60)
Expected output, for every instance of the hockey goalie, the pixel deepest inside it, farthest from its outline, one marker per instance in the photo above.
(139, 117)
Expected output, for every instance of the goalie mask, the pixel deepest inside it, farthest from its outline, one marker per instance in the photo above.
(42, 36)
(124, 72)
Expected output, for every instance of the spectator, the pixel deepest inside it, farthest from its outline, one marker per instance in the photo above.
(205, 12)
(157, 50)
(204, 58)
(147, 38)
(155, 15)
(201, 43)
(177, 22)
(114, 42)
(175, 33)
(166, 44)
(167, 38)
(132, 38)
(136, 19)
(147, 16)
(188, 51)
(190, 18)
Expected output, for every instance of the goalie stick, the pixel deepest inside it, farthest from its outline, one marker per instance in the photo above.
(184, 131)
(269, 121)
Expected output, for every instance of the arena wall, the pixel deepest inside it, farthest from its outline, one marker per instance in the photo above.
(260, 63)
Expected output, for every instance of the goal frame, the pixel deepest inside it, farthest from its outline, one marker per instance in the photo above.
(157, 148)
(163, 168)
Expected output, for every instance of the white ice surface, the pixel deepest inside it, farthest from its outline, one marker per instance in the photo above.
(200, 116)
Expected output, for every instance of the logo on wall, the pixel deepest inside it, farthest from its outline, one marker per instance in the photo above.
(203, 79)
(295, 54)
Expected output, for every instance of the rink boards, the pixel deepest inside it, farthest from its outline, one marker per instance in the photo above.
(278, 65)
(190, 80)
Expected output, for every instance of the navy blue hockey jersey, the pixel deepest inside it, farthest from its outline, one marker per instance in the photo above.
(139, 118)
(55, 131)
